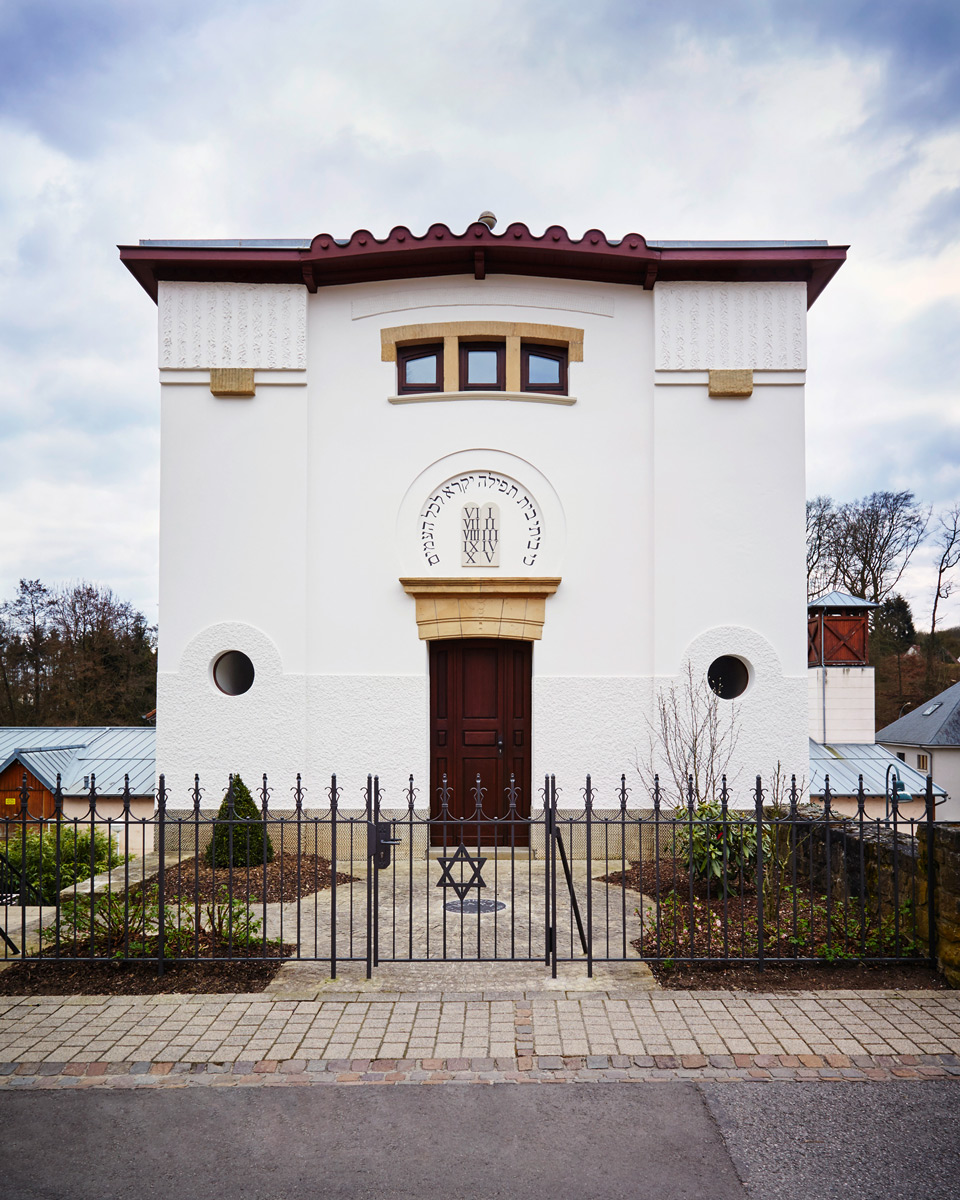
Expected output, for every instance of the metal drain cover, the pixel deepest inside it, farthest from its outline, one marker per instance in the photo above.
(473, 906)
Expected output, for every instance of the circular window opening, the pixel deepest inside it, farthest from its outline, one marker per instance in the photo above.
(728, 677)
(233, 673)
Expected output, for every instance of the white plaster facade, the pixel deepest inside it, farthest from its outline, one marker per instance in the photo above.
(674, 520)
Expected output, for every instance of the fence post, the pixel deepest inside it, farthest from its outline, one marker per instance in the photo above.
(758, 802)
(553, 876)
(828, 849)
(22, 885)
(931, 876)
(588, 813)
(58, 818)
(368, 805)
(161, 899)
(333, 793)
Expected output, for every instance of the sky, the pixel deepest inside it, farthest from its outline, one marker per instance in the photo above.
(128, 119)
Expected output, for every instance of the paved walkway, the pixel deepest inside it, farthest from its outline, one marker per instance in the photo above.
(322, 1035)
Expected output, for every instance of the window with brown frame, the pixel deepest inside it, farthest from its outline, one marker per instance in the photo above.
(543, 368)
(482, 366)
(420, 368)
(923, 762)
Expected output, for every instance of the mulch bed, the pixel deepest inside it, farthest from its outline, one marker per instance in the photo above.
(190, 880)
(740, 913)
(134, 979)
(803, 977)
(658, 880)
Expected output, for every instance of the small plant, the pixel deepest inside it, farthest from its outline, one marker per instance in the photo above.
(114, 925)
(245, 835)
(82, 852)
(119, 927)
(716, 845)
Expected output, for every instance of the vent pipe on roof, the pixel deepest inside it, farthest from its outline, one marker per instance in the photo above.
(487, 218)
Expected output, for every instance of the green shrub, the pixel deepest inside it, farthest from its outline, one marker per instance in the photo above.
(122, 925)
(704, 845)
(251, 842)
(39, 851)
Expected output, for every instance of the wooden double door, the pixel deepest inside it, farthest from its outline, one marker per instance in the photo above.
(480, 725)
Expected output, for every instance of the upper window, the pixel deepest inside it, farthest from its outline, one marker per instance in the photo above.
(420, 368)
(543, 368)
(482, 366)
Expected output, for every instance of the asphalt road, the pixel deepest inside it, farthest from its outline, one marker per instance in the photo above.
(663, 1141)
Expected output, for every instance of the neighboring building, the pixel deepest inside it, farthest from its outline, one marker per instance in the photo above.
(840, 681)
(928, 739)
(842, 714)
(464, 503)
(80, 756)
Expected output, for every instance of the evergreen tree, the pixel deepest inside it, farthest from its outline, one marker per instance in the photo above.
(251, 842)
(893, 632)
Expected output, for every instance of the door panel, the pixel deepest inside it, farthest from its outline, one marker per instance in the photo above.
(480, 726)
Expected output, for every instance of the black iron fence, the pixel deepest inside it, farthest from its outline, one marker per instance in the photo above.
(676, 880)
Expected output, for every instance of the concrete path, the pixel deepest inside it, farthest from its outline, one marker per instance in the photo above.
(734, 1141)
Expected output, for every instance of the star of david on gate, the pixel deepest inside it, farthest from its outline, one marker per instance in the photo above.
(461, 886)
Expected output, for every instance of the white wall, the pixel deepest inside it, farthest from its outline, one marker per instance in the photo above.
(844, 697)
(674, 519)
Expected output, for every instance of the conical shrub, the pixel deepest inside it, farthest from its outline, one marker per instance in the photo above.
(249, 832)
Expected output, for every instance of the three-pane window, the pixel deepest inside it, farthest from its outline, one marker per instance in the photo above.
(482, 368)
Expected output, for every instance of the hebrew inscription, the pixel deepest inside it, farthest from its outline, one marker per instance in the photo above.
(481, 532)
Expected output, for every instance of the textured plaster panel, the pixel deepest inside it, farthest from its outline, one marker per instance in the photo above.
(583, 724)
(602, 726)
(201, 730)
(349, 725)
(360, 724)
(233, 325)
(724, 326)
(771, 714)
(485, 294)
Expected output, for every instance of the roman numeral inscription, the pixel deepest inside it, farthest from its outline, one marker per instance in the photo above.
(481, 536)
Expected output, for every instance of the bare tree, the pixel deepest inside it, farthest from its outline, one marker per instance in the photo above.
(821, 536)
(694, 735)
(946, 539)
(874, 541)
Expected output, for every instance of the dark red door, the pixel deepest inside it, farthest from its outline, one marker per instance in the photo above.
(480, 725)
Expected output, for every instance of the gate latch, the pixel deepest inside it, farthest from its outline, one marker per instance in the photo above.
(380, 840)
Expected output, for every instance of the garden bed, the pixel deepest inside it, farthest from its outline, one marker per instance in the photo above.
(800, 977)
(276, 882)
(802, 925)
(134, 979)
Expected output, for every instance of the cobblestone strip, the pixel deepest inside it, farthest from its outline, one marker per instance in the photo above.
(473, 1026)
(602, 1068)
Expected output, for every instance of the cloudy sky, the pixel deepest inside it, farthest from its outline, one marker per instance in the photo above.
(122, 119)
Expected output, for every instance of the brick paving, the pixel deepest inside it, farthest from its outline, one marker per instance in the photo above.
(456, 1037)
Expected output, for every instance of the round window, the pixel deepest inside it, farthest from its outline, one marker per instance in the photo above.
(233, 673)
(728, 676)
